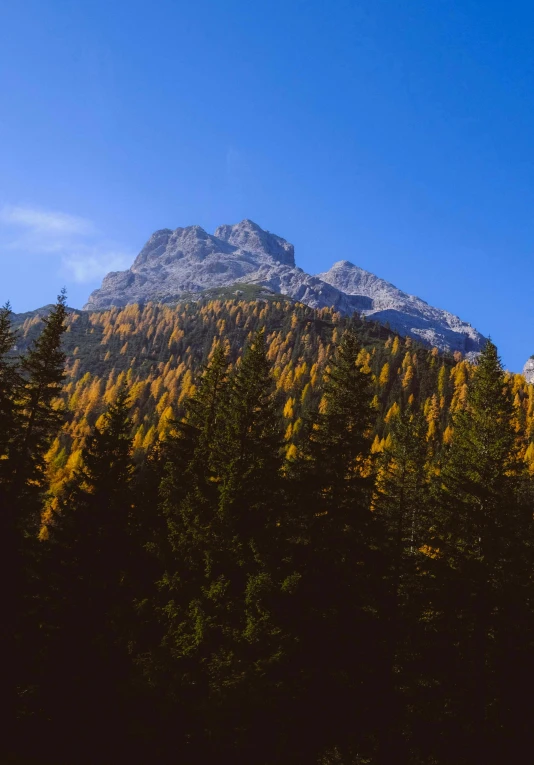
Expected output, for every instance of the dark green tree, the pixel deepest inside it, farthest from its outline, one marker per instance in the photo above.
(32, 420)
(43, 371)
(484, 536)
(10, 383)
(221, 634)
(401, 505)
(91, 564)
(188, 499)
(334, 551)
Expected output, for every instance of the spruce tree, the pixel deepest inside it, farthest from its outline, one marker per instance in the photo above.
(32, 420)
(484, 537)
(10, 382)
(90, 564)
(222, 634)
(188, 503)
(251, 654)
(401, 505)
(43, 371)
(334, 552)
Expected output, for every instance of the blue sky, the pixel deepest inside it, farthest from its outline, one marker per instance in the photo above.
(397, 135)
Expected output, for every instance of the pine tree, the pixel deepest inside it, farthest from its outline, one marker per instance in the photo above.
(43, 370)
(248, 559)
(90, 565)
(10, 383)
(485, 533)
(32, 422)
(333, 533)
(188, 503)
(401, 505)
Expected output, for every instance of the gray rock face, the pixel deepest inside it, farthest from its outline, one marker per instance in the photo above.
(405, 313)
(188, 260)
(528, 370)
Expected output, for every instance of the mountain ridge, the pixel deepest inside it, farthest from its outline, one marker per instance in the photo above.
(188, 260)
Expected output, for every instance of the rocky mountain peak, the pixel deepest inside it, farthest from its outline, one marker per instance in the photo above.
(250, 237)
(528, 370)
(185, 261)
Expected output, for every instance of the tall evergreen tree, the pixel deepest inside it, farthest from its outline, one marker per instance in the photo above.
(333, 531)
(401, 504)
(188, 497)
(484, 536)
(90, 566)
(222, 634)
(32, 417)
(252, 645)
(43, 370)
(10, 383)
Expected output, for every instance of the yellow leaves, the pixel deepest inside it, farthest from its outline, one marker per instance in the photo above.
(393, 412)
(529, 458)
(165, 422)
(430, 552)
(149, 438)
(384, 375)
(448, 435)
(377, 446)
(408, 377)
(289, 411)
(362, 361)
(432, 416)
(291, 452)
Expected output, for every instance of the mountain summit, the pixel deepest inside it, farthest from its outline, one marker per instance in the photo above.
(174, 264)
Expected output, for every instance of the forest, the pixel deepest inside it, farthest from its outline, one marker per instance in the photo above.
(248, 531)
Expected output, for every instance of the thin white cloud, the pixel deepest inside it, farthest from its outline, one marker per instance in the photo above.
(94, 263)
(81, 254)
(45, 221)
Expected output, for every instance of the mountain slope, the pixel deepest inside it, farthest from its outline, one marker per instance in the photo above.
(186, 261)
(406, 314)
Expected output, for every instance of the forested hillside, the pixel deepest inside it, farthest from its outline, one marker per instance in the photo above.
(249, 531)
(156, 351)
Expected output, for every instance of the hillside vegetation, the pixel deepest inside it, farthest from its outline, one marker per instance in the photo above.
(245, 530)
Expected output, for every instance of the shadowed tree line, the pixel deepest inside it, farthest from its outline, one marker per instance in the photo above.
(225, 599)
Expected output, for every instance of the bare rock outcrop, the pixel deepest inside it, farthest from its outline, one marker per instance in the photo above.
(177, 263)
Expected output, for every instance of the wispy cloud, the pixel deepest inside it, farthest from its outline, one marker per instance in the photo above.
(45, 221)
(80, 250)
(92, 263)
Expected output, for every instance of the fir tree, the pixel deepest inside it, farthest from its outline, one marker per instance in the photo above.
(10, 382)
(29, 432)
(43, 370)
(91, 566)
(333, 533)
(401, 505)
(188, 503)
(485, 531)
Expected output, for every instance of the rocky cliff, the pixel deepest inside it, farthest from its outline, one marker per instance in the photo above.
(528, 370)
(186, 261)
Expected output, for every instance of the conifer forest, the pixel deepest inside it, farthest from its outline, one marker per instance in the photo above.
(246, 531)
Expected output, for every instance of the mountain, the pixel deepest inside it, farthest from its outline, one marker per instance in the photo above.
(528, 370)
(406, 314)
(187, 261)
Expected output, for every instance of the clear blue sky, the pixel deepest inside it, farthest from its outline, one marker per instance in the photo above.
(397, 135)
